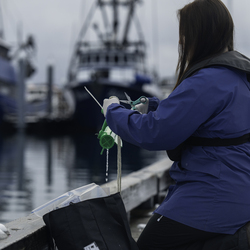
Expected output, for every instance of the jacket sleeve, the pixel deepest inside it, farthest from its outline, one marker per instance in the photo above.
(153, 103)
(175, 119)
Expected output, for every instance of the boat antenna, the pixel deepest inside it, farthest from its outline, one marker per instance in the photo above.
(129, 19)
(93, 97)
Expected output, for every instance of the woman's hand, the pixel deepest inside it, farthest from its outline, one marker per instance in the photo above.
(107, 102)
(142, 107)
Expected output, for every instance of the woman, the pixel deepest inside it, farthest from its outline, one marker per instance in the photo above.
(204, 124)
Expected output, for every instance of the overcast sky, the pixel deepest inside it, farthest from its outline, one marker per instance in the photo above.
(55, 25)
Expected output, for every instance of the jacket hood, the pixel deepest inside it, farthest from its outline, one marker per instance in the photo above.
(232, 59)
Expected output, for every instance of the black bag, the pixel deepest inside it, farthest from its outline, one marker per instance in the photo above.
(96, 224)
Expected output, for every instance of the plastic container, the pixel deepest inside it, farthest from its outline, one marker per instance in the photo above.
(87, 192)
(107, 138)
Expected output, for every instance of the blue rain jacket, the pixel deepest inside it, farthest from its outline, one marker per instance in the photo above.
(212, 190)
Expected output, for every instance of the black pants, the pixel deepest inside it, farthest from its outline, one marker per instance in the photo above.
(162, 233)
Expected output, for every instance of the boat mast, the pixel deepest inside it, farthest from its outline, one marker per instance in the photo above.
(128, 22)
(115, 20)
(104, 16)
(1, 23)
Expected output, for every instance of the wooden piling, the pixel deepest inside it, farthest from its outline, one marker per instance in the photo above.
(21, 95)
(50, 75)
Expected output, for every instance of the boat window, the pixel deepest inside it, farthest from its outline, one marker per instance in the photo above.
(83, 59)
(111, 58)
(129, 58)
(122, 75)
(84, 75)
(93, 59)
(102, 58)
(116, 59)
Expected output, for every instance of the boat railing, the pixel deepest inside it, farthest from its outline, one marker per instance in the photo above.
(143, 186)
(110, 59)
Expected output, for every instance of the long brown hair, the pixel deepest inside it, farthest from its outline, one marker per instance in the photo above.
(206, 29)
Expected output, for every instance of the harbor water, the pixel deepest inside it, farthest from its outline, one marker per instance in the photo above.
(37, 168)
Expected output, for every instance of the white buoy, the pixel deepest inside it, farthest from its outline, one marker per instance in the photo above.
(4, 232)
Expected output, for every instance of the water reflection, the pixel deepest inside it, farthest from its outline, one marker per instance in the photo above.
(36, 169)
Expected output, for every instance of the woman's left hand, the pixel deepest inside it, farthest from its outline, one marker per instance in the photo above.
(107, 102)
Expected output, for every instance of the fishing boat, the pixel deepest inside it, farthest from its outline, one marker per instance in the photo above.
(45, 102)
(10, 73)
(111, 65)
(42, 104)
(12, 83)
(8, 81)
(22, 103)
